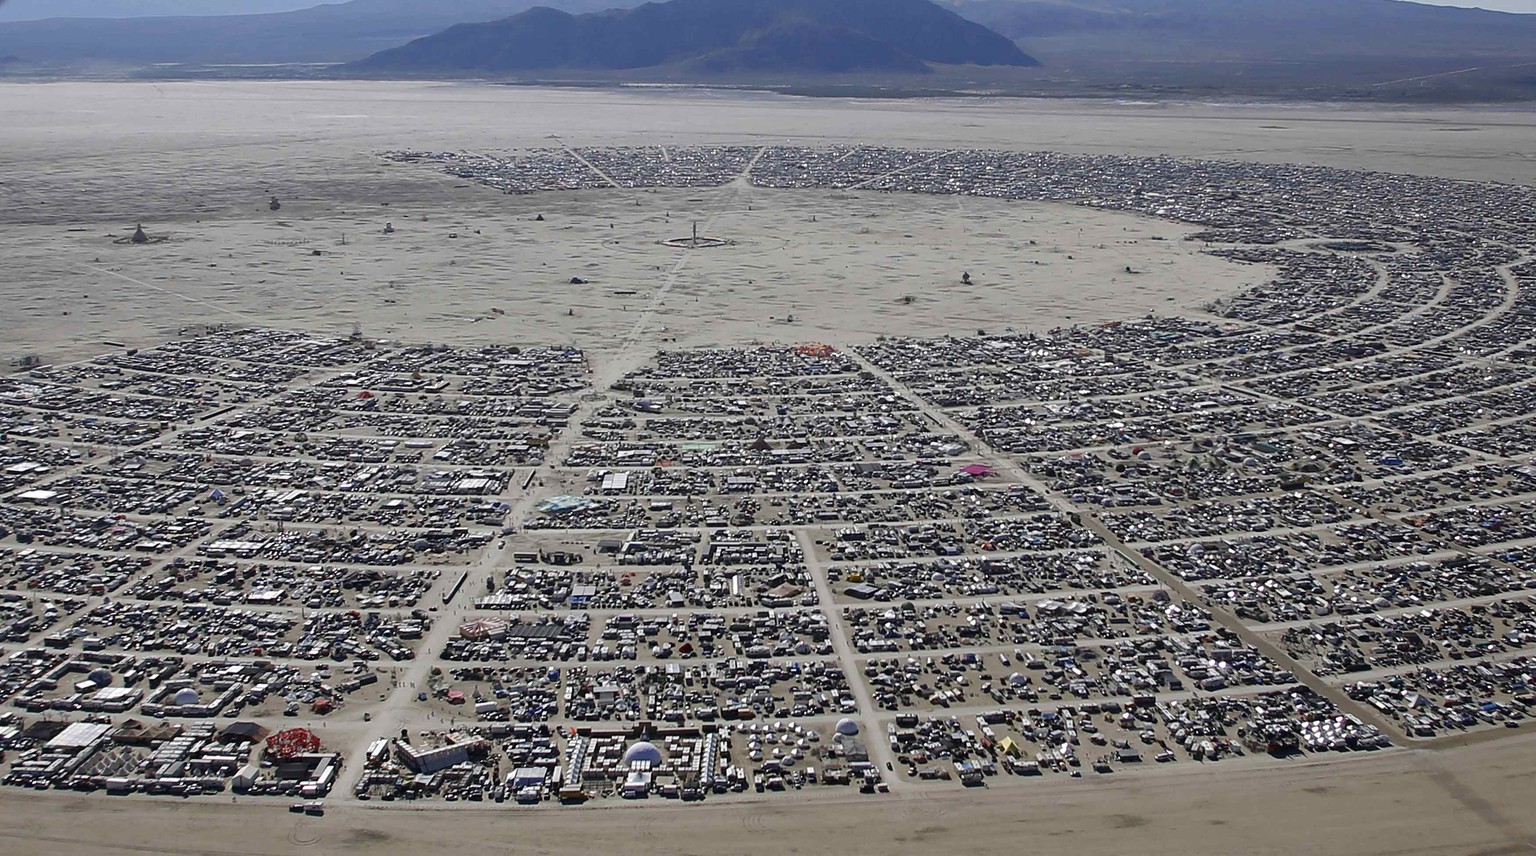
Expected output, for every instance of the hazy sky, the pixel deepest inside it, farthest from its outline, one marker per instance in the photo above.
(15, 10)
(18, 10)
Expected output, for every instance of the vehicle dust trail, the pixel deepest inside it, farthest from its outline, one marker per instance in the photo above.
(884, 175)
(626, 355)
(1458, 71)
(586, 163)
(745, 178)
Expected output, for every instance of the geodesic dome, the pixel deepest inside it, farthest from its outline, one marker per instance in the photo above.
(642, 751)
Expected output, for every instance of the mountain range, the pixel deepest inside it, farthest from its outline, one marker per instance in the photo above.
(714, 36)
(334, 32)
(1298, 38)
(1289, 48)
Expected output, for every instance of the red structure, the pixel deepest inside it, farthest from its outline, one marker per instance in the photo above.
(291, 743)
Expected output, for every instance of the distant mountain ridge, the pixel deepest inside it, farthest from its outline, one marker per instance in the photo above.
(333, 32)
(714, 36)
(805, 46)
(1374, 50)
(1224, 30)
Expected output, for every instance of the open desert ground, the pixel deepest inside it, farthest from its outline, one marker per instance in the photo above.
(197, 164)
(1472, 800)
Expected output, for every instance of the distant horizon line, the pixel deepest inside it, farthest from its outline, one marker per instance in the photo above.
(11, 10)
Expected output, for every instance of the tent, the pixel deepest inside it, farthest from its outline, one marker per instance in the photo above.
(292, 743)
(244, 732)
(564, 504)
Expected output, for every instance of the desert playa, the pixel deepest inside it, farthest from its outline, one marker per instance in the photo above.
(467, 266)
(1460, 801)
(197, 164)
(765, 474)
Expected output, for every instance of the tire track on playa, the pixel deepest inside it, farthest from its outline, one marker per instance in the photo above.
(303, 836)
(13, 188)
(926, 807)
(139, 282)
(1479, 807)
(658, 299)
(97, 845)
(625, 355)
